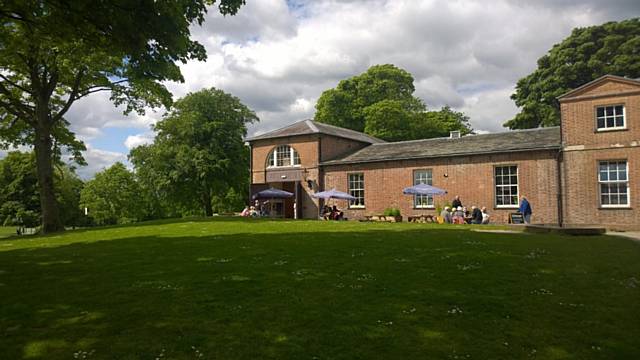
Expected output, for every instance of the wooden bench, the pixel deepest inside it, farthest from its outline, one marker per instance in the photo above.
(422, 218)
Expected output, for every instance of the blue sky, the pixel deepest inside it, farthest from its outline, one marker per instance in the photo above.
(278, 56)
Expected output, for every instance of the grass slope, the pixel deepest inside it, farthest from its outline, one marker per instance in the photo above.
(238, 289)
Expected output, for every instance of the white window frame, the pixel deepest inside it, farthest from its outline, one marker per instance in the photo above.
(352, 191)
(605, 117)
(496, 185)
(617, 181)
(272, 159)
(429, 181)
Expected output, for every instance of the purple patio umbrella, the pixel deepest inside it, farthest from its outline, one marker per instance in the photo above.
(272, 193)
(423, 189)
(333, 194)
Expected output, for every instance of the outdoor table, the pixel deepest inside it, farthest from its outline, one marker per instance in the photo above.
(421, 218)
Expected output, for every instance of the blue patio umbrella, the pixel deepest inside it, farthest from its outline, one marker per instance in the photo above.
(423, 189)
(333, 194)
(272, 193)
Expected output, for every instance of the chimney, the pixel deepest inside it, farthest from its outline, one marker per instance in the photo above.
(454, 134)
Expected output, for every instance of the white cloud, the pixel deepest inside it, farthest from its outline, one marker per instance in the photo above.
(278, 59)
(133, 141)
(99, 160)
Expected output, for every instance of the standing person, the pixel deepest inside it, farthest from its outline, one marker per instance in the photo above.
(446, 215)
(476, 215)
(485, 215)
(525, 209)
(456, 203)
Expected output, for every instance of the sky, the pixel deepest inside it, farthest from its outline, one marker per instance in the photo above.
(278, 56)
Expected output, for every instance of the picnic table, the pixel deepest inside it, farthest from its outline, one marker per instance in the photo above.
(422, 218)
(387, 218)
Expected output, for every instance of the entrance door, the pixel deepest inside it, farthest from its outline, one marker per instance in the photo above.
(288, 203)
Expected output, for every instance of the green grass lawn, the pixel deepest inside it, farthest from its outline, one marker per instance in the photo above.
(241, 289)
(6, 231)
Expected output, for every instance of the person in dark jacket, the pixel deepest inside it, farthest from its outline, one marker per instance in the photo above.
(525, 209)
(476, 215)
(456, 203)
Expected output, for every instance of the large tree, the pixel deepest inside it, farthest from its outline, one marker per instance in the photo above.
(113, 197)
(198, 153)
(345, 105)
(54, 52)
(588, 53)
(19, 192)
(380, 102)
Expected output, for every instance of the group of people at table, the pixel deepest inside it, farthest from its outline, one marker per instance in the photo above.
(458, 214)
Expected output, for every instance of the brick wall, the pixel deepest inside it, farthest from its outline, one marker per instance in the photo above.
(584, 147)
(471, 177)
(581, 189)
(334, 147)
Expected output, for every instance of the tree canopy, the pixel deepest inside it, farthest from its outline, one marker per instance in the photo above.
(198, 154)
(19, 193)
(380, 102)
(588, 53)
(113, 197)
(53, 53)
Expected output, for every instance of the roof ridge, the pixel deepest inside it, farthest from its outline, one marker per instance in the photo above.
(595, 81)
(344, 129)
(278, 129)
(310, 123)
(469, 135)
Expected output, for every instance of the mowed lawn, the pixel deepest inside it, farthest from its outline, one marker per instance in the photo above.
(242, 289)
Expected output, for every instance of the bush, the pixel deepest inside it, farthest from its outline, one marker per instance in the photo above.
(391, 212)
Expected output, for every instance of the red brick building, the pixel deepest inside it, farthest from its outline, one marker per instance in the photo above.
(584, 172)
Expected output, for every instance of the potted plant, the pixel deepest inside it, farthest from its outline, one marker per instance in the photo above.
(393, 214)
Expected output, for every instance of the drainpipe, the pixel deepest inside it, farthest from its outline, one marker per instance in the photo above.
(250, 171)
(559, 163)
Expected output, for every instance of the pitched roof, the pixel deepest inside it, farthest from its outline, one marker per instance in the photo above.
(307, 127)
(511, 141)
(597, 81)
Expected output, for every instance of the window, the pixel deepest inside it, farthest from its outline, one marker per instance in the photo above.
(356, 189)
(610, 117)
(282, 156)
(614, 184)
(506, 186)
(422, 177)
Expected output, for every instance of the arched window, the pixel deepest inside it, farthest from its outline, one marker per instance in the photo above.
(282, 156)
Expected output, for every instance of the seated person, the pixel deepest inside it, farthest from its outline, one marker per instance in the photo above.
(476, 215)
(245, 212)
(336, 213)
(253, 212)
(326, 212)
(485, 216)
(446, 215)
(458, 216)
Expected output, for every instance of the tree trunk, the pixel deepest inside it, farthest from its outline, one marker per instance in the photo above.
(206, 202)
(44, 158)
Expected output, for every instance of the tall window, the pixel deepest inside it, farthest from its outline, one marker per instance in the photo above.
(614, 184)
(422, 177)
(282, 156)
(610, 117)
(356, 189)
(506, 186)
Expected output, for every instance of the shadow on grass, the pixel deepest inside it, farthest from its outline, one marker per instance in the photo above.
(358, 294)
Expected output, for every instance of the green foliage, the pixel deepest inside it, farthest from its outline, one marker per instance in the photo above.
(380, 102)
(388, 120)
(19, 192)
(53, 53)
(198, 153)
(113, 197)
(345, 105)
(588, 53)
(391, 212)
